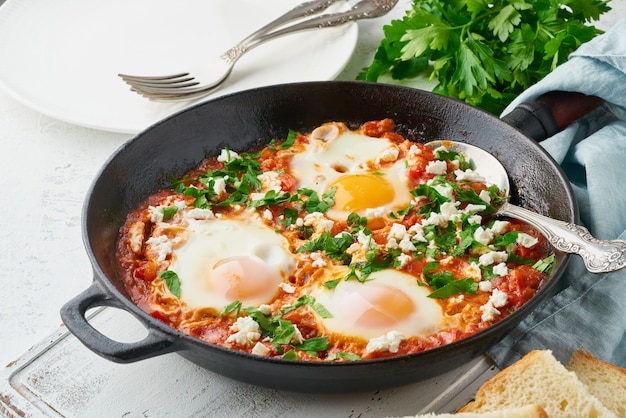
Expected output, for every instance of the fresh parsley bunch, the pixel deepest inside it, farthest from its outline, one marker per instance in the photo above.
(482, 51)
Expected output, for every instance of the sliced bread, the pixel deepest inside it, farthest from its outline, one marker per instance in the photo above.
(605, 381)
(529, 411)
(538, 378)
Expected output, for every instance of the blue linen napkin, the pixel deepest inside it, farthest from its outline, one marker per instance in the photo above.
(590, 310)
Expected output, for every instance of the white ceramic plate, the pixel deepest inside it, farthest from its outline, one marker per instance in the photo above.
(62, 57)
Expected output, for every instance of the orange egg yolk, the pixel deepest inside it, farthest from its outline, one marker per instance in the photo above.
(381, 306)
(247, 279)
(356, 192)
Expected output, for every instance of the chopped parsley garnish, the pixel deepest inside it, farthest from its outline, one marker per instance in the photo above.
(283, 332)
(272, 197)
(435, 198)
(313, 203)
(172, 281)
(334, 246)
(291, 139)
(343, 355)
(169, 212)
(445, 284)
(545, 264)
(310, 301)
(233, 307)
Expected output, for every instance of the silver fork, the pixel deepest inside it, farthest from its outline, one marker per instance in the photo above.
(184, 86)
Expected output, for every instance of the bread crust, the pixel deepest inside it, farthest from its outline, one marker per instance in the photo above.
(541, 379)
(605, 381)
(527, 411)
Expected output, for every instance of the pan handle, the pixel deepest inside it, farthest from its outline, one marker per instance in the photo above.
(73, 315)
(551, 113)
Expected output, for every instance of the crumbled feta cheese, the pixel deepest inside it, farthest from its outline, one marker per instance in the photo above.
(469, 175)
(485, 196)
(472, 208)
(437, 167)
(397, 231)
(270, 180)
(417, 232)
(449, 209)
(437, 219)
(498, 298)
(387, 342)
(475, 219)
(489, 312)
(156, 214)
(474, 271)
(444, 190)
(162, 244)
(414, 151)
(265, 309)
(319, 222)
(200, 214)
(406, 245)
(180, 204)
(392, 244)
(492, 257)
(500, 269)
(267, 214)
(318, 259)
(227, 155)
(260, 349)
(375, 212)
(482, 235)
(364, 239)
(526, 240)
(219, 185)
(485, 286)
(287, 288)
(297, 338)
(458, 298)
(500, 227)
(403, 260)
(245, 329)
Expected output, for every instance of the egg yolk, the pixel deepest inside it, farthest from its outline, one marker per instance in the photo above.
(356, 192)
(247, 279)
(380, 306)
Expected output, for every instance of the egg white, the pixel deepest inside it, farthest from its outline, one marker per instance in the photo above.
(334, 155)
(389, 301)
(209, 262)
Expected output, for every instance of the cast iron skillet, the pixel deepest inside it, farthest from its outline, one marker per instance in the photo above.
(241, 121)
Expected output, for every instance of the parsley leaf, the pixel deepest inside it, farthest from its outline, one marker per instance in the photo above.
(169, 212)
(444, 283)
(545, 264)
(172, 281)
(343, 355)
(314, 204)
(313, 344)
(291, 138)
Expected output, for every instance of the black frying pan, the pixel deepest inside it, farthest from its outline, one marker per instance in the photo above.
(243, 120)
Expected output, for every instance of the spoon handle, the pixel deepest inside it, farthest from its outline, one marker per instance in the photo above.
(599, 256)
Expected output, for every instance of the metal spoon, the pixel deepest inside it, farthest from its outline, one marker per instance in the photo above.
(599, 256)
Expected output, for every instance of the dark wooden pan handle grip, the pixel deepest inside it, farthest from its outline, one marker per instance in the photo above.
(551, 113)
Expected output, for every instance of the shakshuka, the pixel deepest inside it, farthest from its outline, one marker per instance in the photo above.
(340, 244)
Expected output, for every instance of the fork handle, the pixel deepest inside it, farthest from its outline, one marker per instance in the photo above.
(302, 10)
(365, 9)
